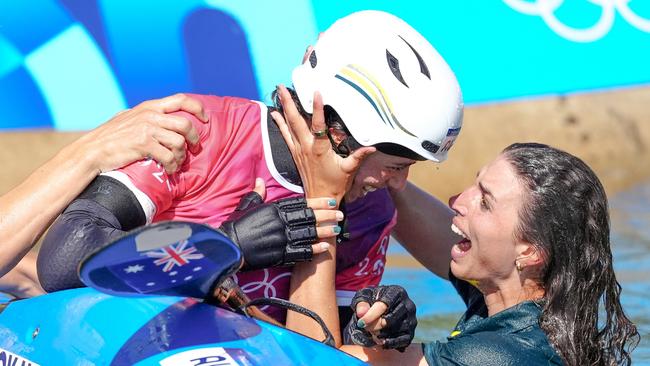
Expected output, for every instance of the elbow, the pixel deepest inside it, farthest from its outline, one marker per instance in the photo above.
(59, 256)
(70, 239)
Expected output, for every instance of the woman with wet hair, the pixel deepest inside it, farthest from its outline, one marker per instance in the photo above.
(533, 263)
(565, 216)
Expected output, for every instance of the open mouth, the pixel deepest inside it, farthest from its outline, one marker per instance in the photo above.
(367, 189)
(463, 246)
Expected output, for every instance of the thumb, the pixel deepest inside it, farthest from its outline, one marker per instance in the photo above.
(362, 309)
(352, 162)
(260, 188)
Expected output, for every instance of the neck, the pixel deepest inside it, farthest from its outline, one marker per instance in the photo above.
(506, 295)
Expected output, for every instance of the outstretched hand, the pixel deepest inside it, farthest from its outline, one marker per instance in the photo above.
(323, 172)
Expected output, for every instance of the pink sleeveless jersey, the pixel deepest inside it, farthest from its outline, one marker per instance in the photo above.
(234, 151)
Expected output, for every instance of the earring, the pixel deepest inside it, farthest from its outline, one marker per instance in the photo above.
(519, 266)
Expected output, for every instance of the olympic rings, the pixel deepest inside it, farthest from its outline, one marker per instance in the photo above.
(546, 9)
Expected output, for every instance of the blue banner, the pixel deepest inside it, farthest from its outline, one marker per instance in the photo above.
(71, 65)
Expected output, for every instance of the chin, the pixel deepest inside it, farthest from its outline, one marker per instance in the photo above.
(457, 270)
(353, 195)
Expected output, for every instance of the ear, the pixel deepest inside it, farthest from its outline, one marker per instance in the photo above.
(528, 255)
(337, 135)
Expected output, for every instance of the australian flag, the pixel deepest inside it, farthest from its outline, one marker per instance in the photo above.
(170, 266)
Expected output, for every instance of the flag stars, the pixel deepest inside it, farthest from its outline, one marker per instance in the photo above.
(134, 268)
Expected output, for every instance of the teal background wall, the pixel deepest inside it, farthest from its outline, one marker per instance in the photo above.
(72, 64)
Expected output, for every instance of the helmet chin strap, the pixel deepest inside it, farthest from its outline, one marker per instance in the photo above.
(341, 149)
(345, 147)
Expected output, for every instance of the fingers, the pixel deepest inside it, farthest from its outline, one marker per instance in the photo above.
(180, 125)
(181, 102)
(398, 313)
(372, 318)
(163, 156)
(318, 117)
(175, 103)
(284, 129)
(362, 309)
(322, 143)
(173, 142)
(328, 216)
(329, 231)
(319, 248)
(297, 125)
(353, 162)
(260, 188)
(321, 203)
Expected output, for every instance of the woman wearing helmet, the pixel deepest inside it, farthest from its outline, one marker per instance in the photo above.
(384, 86)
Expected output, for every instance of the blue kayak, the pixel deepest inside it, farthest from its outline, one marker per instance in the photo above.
(87, 327)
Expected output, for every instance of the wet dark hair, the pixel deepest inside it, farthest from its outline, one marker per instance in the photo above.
(565, 215)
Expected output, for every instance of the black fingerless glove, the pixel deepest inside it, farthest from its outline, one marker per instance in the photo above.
(400, 318)
(278, 233)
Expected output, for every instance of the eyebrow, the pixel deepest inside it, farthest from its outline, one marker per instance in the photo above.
(486, 191)
(404, 165)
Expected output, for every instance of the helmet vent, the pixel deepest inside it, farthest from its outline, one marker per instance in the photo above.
(423, 67)
(312, 59)
(430, 146)
(393, 64)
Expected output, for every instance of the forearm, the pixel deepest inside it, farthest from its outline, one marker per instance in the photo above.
(22, 280)
(27, 210)
(313, 286)
(377, 356)
(424, 228)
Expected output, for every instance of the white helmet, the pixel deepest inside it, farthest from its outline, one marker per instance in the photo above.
(388, 84)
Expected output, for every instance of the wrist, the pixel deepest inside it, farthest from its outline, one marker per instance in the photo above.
(82, 160)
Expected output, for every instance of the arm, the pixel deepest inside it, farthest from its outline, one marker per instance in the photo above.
(424, 228)
(376, 356)
(146, 130)
(103, 211)
(22, 280)
(324, 174)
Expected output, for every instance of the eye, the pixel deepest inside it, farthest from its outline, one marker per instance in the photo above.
(397, 168)
(485, 205)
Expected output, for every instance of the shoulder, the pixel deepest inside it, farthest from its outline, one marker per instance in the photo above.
(490, 348)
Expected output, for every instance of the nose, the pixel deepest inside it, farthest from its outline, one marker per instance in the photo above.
(452, 199)
(456, 204)
(397, 180)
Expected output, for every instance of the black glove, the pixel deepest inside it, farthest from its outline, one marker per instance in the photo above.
(400, 318)
(278, 233)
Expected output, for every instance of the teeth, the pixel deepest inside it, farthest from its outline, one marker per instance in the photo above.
(456, 230)
(368, 189)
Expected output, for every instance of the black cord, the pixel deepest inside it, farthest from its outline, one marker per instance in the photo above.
(273, 301)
